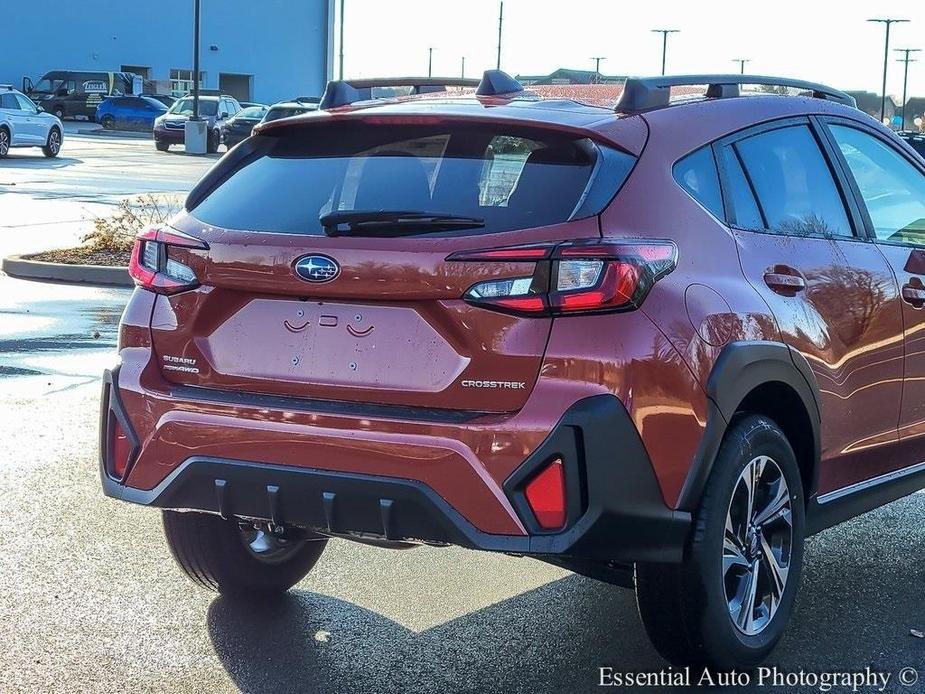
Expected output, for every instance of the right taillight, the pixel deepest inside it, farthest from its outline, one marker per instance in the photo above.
(152, 268)
(588, 276)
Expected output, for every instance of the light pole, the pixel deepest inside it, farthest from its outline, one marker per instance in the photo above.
(741, 62)
(886, 59)
(197, 17)
(341, 39)
(500, 24)
(462, 71)
(597, 64)
(430, 61)
(664, 33)
(906, 59)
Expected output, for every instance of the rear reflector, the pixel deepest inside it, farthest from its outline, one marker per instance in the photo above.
(546, 495)
(120, 448)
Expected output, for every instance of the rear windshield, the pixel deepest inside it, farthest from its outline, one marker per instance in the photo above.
(511, 180)
(278, 112)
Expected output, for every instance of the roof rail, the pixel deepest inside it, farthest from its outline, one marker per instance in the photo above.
(646, 93)
(8, 87)
(344, 92)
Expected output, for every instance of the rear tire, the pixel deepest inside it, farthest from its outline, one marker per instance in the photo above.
(219, 555)
(728, 605)
(161, 146)
(5, 142)
(53, 143)
(58, 112)
(108, 123)
(212, 142)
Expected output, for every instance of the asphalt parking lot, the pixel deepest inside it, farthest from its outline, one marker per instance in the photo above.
(90, 599)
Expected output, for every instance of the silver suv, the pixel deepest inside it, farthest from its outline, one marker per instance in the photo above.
(23, 124)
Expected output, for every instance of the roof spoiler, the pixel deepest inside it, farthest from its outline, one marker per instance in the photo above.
(345, 92)
(647, 93)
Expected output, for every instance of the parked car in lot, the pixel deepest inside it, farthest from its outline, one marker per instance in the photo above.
(165, 99)
(169, 128)
(129, 112)
(287, 109)
(76, 93)
(22, 124)
(658, 344)
(239, 126)
(915, 140)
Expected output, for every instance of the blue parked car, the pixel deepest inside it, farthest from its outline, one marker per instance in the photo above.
(129, 112)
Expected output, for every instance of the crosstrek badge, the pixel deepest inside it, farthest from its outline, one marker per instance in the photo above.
(506, 385)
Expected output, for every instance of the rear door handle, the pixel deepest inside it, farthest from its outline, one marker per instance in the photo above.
(914, 295)
(784, 283)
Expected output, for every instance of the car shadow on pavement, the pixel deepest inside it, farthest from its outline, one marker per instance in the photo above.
(549, 639)
(38, 162)
(853, 611)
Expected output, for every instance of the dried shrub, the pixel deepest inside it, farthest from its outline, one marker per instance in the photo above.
(117, 231)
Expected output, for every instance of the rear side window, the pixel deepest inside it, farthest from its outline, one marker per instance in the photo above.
(697, 174)
(744, 213)
(510, 180)
(793, 184)
(8, 100)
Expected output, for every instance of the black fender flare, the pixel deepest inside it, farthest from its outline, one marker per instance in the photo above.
(740, 368)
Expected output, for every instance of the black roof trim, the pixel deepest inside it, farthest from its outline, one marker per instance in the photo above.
(646, 93)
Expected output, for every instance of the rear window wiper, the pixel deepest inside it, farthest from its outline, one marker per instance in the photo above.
(393, 222)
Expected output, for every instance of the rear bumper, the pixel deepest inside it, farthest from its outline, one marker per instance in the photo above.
(616, 511)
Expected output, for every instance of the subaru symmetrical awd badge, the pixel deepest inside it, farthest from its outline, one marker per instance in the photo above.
(317, 268)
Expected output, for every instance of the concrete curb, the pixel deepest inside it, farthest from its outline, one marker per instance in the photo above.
(100, 275)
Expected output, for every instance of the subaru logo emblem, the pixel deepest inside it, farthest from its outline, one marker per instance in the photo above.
(317, 268)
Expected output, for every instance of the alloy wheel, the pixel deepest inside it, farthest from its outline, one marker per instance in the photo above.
(757, 545)
(54, 142)
(4, 143)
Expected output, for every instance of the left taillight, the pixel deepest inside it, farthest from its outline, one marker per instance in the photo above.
(588, 276)
(151, 266)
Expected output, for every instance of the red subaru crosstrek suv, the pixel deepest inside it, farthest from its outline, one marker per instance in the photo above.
(658, 345)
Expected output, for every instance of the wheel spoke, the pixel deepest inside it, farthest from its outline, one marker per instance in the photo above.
(777, 507)
(746, 616)
(733, 553)
(776, 569)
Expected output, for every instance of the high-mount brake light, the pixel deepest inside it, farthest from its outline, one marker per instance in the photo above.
(587, 276)
(151, 267)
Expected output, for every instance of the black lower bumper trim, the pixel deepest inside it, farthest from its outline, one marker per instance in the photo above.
(620, 516)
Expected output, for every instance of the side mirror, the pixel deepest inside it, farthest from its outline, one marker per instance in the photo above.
(40, 108)
(223, 114)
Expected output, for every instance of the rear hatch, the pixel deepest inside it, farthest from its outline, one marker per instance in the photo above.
(337, 261)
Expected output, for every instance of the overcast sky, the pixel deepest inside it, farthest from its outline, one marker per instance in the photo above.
(822, 41)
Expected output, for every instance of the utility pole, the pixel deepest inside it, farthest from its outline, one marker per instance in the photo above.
(597, 64)
(741, 62)
(664, 33)
(341, 39)
(462, 72)
(430, 61)
(906, 59)
(886, 59)
(500, 24)
(197, 17)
